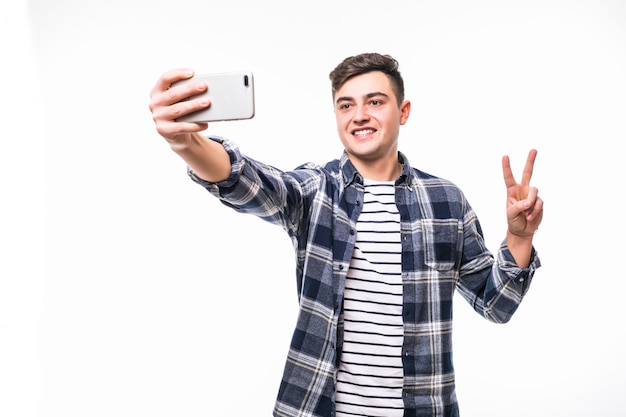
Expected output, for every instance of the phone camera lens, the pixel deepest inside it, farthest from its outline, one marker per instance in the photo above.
(246, 81)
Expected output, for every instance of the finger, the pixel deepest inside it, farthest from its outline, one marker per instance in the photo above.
(530, 200)
(509, 179)
(536, 211)
(169, 77)
(516, 209)
(169, 102)
(532, 205)
(170, 113)
(170, 130)
(184, 107)
(523, 205)
(528, 168)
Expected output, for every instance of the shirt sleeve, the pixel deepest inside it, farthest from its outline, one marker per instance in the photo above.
(494, 287)
(262, 190)
(236, 168)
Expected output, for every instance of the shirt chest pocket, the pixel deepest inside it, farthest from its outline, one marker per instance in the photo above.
(441, 239)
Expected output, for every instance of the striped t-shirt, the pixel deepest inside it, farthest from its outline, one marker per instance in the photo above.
(370, 375)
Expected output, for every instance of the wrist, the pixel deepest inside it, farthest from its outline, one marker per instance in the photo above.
(522, 235)
(520, 245)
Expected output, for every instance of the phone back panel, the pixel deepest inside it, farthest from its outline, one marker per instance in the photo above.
(231, 95)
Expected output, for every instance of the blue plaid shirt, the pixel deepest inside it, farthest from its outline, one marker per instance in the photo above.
(443, 250)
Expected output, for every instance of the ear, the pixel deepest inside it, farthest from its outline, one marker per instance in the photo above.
(405, 110)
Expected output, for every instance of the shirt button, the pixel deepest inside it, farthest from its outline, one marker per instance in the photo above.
(521, 280)
(352, 232)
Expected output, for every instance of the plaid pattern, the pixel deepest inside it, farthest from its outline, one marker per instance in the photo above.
(442, 250)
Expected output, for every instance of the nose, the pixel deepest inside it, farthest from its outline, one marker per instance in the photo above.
(360, 114)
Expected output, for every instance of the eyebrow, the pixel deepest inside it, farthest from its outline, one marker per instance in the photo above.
(367, 96)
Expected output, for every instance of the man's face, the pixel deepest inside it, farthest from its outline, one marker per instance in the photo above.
(369, 118)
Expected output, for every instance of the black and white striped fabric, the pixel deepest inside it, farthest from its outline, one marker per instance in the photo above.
(370, 376)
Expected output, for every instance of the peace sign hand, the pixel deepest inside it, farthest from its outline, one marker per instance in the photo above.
(524, 208)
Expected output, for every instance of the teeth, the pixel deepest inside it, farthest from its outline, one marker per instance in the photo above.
(364, 132)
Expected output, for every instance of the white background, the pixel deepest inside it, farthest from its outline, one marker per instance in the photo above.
(127, 290)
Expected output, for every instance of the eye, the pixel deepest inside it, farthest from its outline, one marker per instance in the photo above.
(376, 102)
(345, 106)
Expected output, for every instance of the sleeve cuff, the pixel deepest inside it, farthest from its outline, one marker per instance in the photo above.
(521, 276)
(236, 163)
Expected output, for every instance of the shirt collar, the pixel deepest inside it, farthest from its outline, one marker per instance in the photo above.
(350, 174)
(406, 176)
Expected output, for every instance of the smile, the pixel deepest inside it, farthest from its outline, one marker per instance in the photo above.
(363, 132)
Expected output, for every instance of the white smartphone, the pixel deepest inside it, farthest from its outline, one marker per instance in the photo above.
(231, 95)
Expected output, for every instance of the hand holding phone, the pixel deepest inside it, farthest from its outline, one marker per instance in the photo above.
(231, 95)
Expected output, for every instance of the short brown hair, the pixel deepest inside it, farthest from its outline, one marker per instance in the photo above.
(364, 63)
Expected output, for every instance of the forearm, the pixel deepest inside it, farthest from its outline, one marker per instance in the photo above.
(207, 158)
(521, 247)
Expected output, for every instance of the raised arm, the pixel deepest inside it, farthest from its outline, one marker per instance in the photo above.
(524, 210)
(208, 159)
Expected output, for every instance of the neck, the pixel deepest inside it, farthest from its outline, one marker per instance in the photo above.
(379, 170)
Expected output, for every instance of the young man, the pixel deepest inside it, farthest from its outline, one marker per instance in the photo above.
(381, 247)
